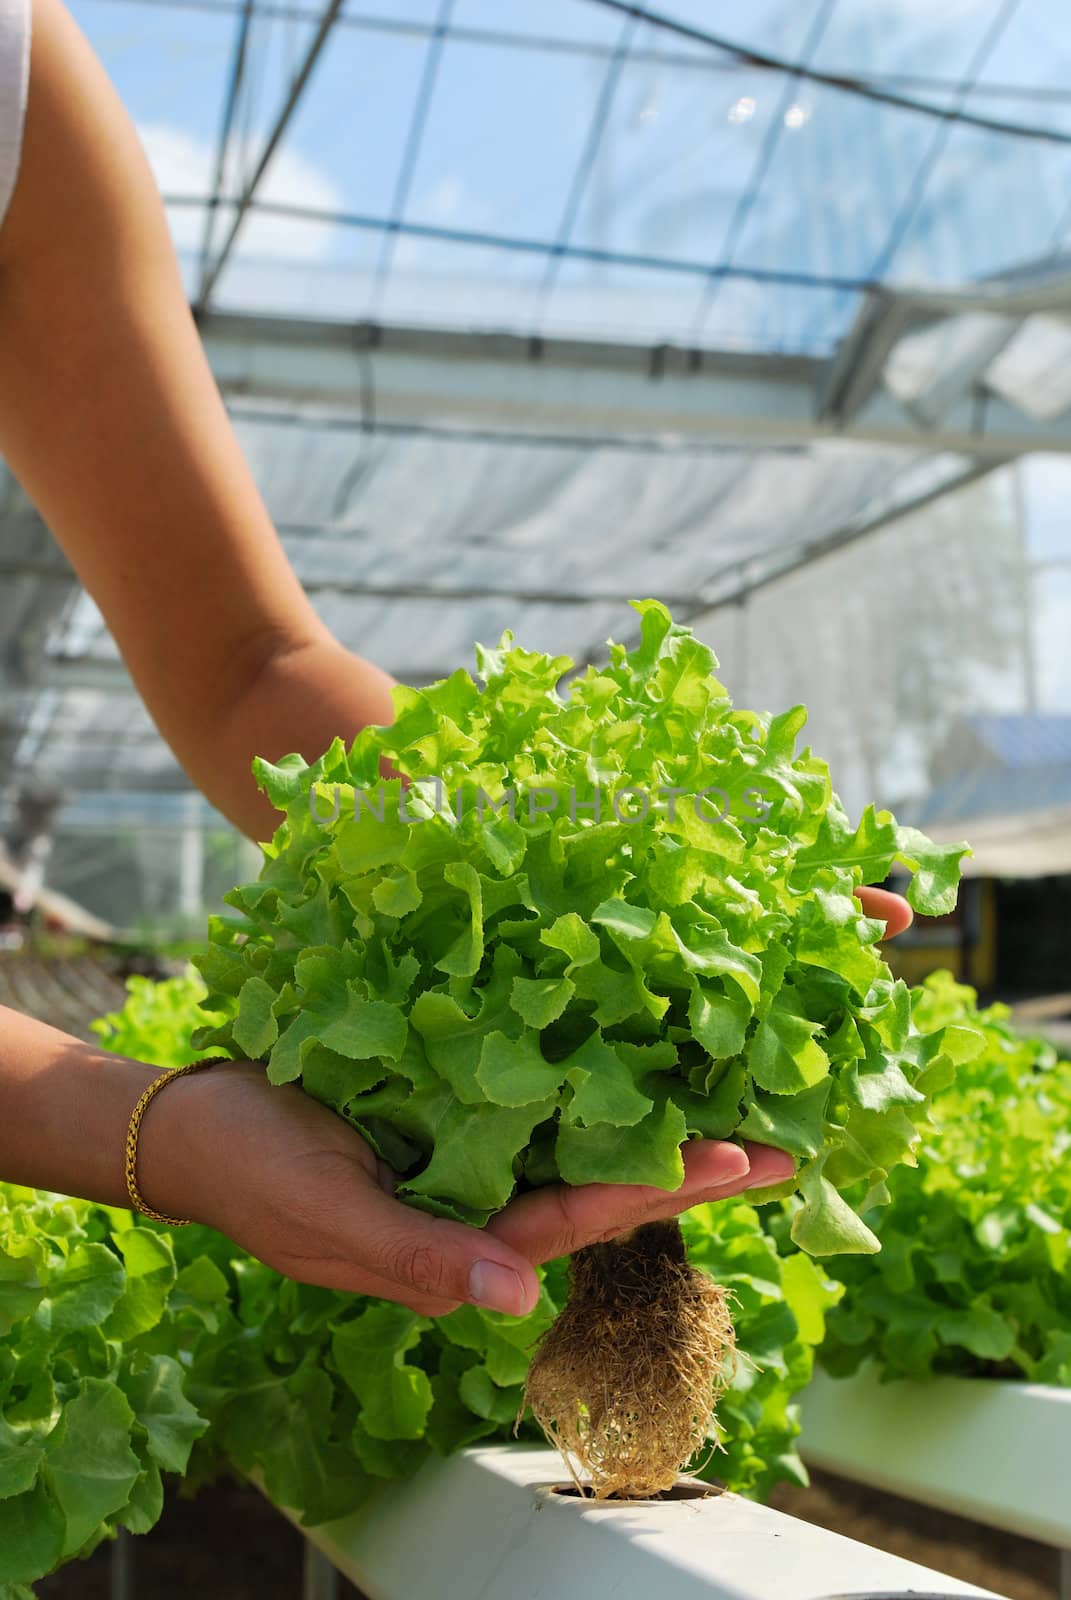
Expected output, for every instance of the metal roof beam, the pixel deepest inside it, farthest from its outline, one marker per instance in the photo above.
(81, 672)
(734, 588)
(41, 566)
(855, 370)
(1042, 287)
(886, 316)
(372, 589)
(356, 589)
(489, 380)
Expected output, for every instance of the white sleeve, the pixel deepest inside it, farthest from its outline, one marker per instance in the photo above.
(14, 77)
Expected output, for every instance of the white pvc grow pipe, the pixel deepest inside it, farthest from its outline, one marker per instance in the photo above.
(486, 1524)
(997, 1452)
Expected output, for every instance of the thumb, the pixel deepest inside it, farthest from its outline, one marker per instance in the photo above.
(435, 1258)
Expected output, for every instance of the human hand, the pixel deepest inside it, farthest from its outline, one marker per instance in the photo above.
(892, 909)
(291, 1182)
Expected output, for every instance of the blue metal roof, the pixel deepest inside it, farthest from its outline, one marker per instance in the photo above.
(1028, 740)
(994, 794)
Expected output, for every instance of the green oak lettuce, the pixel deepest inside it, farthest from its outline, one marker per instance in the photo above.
(156, 1022)
(571, 991)
(974, 1275)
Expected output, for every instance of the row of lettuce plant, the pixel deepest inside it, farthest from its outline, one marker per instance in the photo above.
(974, 1273)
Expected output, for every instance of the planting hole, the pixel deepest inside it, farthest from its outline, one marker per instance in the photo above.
(684, 1490)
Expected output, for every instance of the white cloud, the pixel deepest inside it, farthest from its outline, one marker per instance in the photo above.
(185, 165)
(445, 199)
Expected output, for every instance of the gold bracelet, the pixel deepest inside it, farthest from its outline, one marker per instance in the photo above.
(131, 1155)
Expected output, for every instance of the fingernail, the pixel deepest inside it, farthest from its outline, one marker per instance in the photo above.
(496, 1287)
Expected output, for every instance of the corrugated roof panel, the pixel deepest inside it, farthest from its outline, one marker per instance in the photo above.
(1024, 739)
(995, 794)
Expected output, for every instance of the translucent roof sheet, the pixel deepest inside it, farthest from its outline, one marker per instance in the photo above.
(550, 541)
(623, 300)
(574, 168)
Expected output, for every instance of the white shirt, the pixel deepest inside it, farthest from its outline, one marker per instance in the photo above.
(14, 76)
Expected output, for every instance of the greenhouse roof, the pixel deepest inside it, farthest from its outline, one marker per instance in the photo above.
(522, 309)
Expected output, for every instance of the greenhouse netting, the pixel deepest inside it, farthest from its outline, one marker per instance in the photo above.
(743, 309)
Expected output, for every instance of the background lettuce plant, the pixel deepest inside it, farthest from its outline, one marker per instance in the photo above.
(92, 1387)
(974, 1274)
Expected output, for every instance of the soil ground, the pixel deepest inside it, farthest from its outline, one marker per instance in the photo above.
(230, 1545)
(227, 1544)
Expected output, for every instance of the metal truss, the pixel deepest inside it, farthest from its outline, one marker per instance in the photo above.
(579, 390)
(523, 388)
(853, 382)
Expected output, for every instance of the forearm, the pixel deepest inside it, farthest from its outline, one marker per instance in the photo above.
(298, 700)
(64, 1111)
(111, 420)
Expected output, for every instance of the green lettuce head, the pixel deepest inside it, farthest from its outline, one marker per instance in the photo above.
(572, 930)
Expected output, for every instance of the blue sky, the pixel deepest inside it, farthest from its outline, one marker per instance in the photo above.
(507, 128)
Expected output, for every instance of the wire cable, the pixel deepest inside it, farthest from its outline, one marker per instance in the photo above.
(845, 83)
(745, 202)
(411, 154)
(916, 193)
(588, 157)
(231, 104)
(543, 247)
